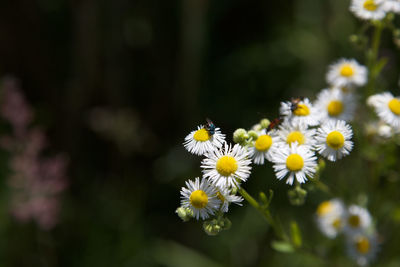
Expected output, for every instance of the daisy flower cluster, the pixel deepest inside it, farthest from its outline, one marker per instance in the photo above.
(355, 222)
(224, 166)
(304, 129)
(374, 9)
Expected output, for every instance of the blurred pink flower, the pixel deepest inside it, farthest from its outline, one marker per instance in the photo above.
(36, 182)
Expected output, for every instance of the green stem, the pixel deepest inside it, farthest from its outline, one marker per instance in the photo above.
(372, 58)
(265, 212)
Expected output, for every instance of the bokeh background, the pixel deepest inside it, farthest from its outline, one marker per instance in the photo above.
(117, 85)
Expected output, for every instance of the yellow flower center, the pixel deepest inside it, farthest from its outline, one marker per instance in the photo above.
(263, 142)
(220, 197)
(335, 108)
(394, 106)
(363, 245)
(198, 199)
(301, 110)
(370, 5)
(354, 221)
(295, 136)
(201, 135)
(294, 162)
(226, 165)
(337, 223)
(335, 140)
(346, 70)
(324, 208)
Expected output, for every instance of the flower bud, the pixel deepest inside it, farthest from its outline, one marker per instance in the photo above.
(253, 135)
(184, 213)
(264, 123)
(240, 136)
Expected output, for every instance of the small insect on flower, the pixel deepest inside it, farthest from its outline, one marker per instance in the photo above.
(274, 123)
(294, 102)
(210, 127)
(201, 141)
(301, 112)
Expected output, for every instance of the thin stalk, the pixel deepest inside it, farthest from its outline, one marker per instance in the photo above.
(265, 212)
(372, 57)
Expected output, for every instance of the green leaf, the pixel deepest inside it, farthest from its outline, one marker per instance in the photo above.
(296, 234)
(282, 246)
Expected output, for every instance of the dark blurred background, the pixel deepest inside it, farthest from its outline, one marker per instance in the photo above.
(118, 85)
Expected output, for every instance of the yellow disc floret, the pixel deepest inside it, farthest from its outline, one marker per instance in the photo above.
(354, 221)
(370, 5)
(226, 165)
(346, 70)
(363, 245)
(263, 142)
(301, 110)
(294, 162)
(295, 136)
(199, 199)
(335, 108)
(335, 140)
(394, 106)
(324, 208)
(201, 135)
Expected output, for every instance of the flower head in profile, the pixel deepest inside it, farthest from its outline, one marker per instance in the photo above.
(263, 146)
(290, 133)
(303, 113)
(331, 217)
(227, 166)
(334, 104)
(387, 107)
(358, 220)
(333, 140)
(200, 197)
(295, 162)
(347, 73)
(226, 197)
(201, 141)
(369, 9)
(362, 247)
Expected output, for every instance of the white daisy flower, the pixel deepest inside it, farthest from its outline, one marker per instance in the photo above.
(333, 140)
(333, 104)
(392, 6)
(362, 248)
(200, 141)
(331, 217)
(368, 9)
(263, 146)
(290, 133)
(226, 197)
(226, 166)
(295, 161)
(358, 220)
(301, 113)
(346, 73)
(387, 107)
(200, 197)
